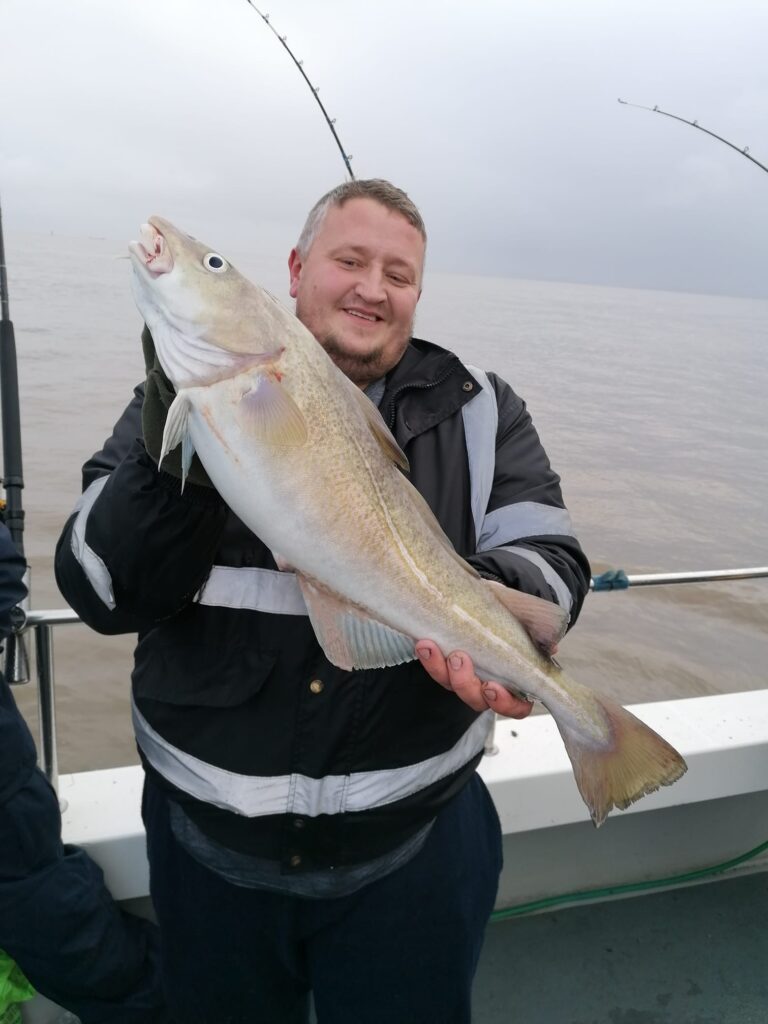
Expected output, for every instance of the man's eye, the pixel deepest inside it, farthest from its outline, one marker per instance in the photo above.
(398, 279)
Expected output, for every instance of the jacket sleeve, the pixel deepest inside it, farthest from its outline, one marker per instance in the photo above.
(12, 589)
(135, 550)
(527, 540)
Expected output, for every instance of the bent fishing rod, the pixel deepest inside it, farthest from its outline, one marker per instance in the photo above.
(346, 157)
(744, 151)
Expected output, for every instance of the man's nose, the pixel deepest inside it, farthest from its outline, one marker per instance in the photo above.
(370, 285)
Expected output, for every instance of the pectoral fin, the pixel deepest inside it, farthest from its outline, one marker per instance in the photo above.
(544, 621)
(270, 414)
(177, 432)
(349, 637)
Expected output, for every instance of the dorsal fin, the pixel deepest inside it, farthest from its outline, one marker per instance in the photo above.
(544, 621)
(381, 431)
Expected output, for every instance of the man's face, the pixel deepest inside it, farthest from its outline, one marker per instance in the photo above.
(357, 287)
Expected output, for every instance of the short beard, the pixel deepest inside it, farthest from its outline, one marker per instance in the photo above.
(361, 369)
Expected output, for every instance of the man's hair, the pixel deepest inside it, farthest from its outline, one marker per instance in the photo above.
(368, 188)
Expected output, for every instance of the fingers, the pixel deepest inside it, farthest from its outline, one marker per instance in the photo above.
(457, 673)
(464, 682)
(504, 703)
(430, 656)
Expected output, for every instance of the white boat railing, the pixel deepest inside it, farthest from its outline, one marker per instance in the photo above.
(41, 624)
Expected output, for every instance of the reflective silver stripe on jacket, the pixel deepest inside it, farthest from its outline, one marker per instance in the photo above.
(260, 590)
(91, 564)
(254, 796)
(510, 523)
(523, 519)
(481, 421)
(562, 593)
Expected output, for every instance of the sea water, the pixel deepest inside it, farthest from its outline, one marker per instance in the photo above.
(650, 405)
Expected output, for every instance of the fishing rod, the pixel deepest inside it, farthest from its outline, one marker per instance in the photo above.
(13, 477)
(16, 659)
(744, 151)
(346, 157)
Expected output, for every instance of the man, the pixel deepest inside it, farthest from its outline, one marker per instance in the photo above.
(266, 886)
(57, 919)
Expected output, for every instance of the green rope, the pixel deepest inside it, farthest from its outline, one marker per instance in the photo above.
(613, 579)
(617, 890)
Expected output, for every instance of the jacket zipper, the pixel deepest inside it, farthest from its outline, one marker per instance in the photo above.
(390, 419)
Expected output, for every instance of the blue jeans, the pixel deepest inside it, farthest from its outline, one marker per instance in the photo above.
(60, 924)
(403, 950)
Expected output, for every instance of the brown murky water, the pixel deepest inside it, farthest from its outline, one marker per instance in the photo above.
(651, 406)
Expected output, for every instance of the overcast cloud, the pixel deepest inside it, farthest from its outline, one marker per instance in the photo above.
(499, 118)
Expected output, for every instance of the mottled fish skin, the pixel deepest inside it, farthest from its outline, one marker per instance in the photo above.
(302, 456)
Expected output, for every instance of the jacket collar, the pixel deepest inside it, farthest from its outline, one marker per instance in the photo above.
(428, 385)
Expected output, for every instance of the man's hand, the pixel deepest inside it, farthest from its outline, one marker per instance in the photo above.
(457, 673)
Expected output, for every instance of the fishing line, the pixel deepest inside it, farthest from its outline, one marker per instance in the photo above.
(315, 90)
(744, 151)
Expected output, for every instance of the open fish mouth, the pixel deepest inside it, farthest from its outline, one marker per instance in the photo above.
(152, 251)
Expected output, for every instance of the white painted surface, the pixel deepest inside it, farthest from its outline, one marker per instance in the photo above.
(103, 814)
(723, 738)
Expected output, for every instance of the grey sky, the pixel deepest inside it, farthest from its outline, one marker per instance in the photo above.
(499, 118)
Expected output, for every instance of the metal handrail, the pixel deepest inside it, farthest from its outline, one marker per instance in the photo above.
(619, 580)
(51, 617)
(664, 578)
(42, 623)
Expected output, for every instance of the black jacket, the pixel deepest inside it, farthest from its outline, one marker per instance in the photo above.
(245, 698)
(17, 749)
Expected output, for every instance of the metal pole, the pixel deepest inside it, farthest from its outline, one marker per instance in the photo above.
(52, 617)
(617, 579)
(490, 749)
(49, 761)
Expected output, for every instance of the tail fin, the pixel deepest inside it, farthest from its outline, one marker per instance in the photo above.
(636, 761)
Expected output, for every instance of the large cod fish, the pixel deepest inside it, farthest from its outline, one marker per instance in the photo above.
(303, 457)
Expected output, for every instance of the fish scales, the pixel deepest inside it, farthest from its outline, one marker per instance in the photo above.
(304, 459)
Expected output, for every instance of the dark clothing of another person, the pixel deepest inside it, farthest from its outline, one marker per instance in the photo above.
(57, 919)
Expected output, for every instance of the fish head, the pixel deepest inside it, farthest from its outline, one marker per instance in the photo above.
(208, 322)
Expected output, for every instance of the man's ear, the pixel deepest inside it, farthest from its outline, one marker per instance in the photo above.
(294, 267)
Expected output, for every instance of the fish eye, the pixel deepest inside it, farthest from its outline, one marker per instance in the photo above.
(212, 261)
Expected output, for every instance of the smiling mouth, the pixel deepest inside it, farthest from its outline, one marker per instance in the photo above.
(370, 317)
